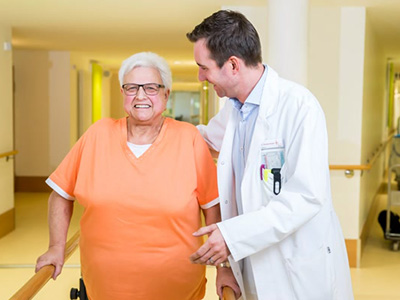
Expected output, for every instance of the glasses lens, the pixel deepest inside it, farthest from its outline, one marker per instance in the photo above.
(151, 89)
(130, 89)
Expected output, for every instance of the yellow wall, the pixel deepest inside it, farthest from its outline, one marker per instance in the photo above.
(97, 77)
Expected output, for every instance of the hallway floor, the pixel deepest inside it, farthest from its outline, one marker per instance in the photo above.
(377, 279)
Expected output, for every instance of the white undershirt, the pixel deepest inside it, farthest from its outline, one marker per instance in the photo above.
(138, 150)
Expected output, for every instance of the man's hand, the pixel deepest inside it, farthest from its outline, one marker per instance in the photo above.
(225, 278)
(214, 251)
(54, 256)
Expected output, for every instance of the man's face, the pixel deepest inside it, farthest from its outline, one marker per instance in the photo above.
(209, 70)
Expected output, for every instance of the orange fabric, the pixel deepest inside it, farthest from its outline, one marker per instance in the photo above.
(140, 213)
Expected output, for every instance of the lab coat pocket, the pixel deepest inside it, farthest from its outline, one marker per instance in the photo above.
(270, 186)
(267, 187)
(309, 276)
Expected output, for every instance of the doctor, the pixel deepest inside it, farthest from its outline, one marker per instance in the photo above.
(279, 231)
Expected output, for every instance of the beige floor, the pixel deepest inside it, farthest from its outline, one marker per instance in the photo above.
(377, 279)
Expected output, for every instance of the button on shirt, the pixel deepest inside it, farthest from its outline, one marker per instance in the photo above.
(248, 112)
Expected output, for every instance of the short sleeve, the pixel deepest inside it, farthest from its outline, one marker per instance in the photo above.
(66, 174)
(207, 188)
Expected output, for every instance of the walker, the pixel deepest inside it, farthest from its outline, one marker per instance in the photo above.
(81, 293)
(393, 195)
(395, 158)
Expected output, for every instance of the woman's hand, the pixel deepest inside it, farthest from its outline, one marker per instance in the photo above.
(54, 256)
(60, 212)
(225, 278)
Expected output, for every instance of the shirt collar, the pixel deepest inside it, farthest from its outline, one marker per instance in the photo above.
(255, 94)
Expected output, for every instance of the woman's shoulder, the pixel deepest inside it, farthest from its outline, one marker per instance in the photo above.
(104, 125)
(181, 126)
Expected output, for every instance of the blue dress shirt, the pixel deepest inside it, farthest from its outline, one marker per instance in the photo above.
(241, 144)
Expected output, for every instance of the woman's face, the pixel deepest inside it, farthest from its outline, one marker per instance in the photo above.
(142, 108)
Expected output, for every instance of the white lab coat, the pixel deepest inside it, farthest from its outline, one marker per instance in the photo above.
(294, 240)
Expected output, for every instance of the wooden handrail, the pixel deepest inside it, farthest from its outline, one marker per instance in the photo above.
(350, 167)
(9, 153)
(37, 281)
(370, 162)
(228, 293)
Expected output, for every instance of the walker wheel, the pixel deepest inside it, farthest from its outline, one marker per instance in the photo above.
(74, 294)
(395, 246)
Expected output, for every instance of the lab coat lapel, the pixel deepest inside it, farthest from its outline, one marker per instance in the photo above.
(225, 170)
(261, 132)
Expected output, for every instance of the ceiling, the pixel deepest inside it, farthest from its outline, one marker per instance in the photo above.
(110, 31)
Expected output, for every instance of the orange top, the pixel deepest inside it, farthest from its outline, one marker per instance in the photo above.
(140, 213)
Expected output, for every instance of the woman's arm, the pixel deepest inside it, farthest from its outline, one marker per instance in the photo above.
(212, 215)
(59, 217)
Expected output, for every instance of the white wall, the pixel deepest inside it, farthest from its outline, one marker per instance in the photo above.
(106, 94)
(59, 120)
(73, 103)
(336, 60)
(373, 108)
(6, 123)
(52, 107)
(116, 100)
(348, 139)
(31, 69)
(82, 93)
(42, 110)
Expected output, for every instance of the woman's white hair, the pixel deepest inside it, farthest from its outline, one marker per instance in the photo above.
(147, 59)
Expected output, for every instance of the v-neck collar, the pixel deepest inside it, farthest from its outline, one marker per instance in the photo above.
(153, 147)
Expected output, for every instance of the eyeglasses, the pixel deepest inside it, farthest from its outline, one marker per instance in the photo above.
(151, 89)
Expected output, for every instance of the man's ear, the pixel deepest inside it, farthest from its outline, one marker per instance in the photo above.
(234, 63)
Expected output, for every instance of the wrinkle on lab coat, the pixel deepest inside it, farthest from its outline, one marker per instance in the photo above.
(293, 239)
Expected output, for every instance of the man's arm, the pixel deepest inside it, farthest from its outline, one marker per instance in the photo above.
(213, 133)
(225, 276)
(59, 217)
(212, 216)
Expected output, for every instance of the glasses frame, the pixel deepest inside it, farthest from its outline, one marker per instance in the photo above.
(143, 86)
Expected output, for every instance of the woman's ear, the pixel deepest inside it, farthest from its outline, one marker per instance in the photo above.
(167, 93)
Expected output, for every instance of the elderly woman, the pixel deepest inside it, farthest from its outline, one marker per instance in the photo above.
(142, 181)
